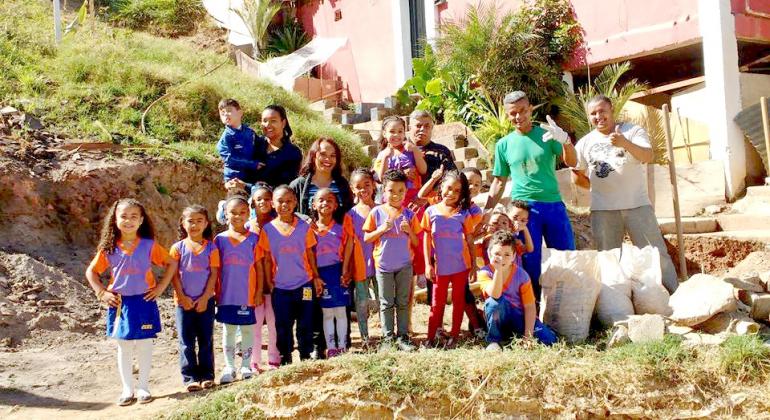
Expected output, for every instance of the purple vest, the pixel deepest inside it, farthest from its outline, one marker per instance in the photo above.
(290, 265)
(237, 283)
(358, 227)
(132, 274)
(329, 247)
(194, 270)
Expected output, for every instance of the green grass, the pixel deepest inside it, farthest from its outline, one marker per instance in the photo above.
(658, 379)
(100, 80)
(159, 17)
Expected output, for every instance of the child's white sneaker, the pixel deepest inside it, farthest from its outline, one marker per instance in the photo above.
(246, 373)
(495, 347)
(227, 376)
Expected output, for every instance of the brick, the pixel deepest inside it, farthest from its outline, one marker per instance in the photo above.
(465, 153)
(460, 141)
(478, 163)
(379, 114)
(486, 176)
(460, 165)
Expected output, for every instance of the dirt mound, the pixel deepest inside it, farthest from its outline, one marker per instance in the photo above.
(35, 296)
(55, 195)
(712, 255)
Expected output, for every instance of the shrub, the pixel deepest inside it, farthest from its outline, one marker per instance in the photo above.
(159, 17)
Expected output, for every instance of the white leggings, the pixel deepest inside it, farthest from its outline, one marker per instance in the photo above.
(228, 344)
(126, 350)
(330, 314)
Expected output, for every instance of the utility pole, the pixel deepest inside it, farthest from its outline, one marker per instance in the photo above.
(57, 20)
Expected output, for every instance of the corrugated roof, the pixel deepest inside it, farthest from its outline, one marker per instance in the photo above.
(750, 121)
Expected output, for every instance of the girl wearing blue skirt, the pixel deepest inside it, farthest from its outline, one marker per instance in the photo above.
(334, 251)
(128, 250)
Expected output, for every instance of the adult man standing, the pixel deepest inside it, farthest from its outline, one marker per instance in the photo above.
(614, 155)
(528, 156)
(420, 130)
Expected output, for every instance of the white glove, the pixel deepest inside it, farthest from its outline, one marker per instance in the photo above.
(553, 131)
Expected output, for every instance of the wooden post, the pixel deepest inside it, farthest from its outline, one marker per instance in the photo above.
(57, 20)
(674, 193)
(766, 127)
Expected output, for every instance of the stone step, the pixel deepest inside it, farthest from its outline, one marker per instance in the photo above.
(323, 104)
(738, 222)
(465, 153)
(379, 114)
(370, 150)
(689, 225)
(486, 176)
(460, 165)
(755, 235)
(478, 163)
(757, 191)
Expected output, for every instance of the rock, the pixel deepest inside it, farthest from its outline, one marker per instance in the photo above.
(700, 298)
(729, 322)
(678, 329)
(644, 328)
(714, 209)
(6, 311)
(748, 283)
(32, 122)
(6, 342)
(619, 337)
(39, 169)
(9, 110)
(760, 306)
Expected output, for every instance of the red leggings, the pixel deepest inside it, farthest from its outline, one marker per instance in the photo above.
(440, 289)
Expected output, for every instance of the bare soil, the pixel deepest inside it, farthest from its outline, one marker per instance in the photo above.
(712, 255)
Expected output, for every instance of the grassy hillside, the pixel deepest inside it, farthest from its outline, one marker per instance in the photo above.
(97, 83)
(663, 379)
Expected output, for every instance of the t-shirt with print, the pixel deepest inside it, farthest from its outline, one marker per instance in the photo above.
(237, 283)
(288, 250)
(392, 250)
(195, 264)
(131, 267)
(517, 289)
(447, 229)
(530, 163)
(618, 179)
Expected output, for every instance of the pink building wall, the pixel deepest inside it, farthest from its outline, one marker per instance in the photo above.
(366, 64)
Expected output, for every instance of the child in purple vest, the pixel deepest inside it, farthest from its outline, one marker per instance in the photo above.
(198, 260)
(262, 209)
(393, 229)
(128, 250)
(334, 253)
(449, 251)
(362, 185)
(287, 248)
(238, 287)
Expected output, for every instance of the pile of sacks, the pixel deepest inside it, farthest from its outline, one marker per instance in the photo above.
(623, 289)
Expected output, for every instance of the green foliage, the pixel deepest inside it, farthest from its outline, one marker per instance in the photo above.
(494, 122)
(286, 39)
(257, 15)
(158, 17)
(425, 84)
(100, 81)
(572, 105)
(746, 357)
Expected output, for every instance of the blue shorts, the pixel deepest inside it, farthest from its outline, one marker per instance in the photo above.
(139, 319)
(333, 295)
(236, 315)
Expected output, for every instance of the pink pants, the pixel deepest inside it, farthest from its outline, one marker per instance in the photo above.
(264, 314)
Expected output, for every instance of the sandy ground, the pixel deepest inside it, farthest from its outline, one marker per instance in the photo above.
(69, 375)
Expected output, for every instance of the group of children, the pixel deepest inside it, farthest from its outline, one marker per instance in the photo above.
(272, 266)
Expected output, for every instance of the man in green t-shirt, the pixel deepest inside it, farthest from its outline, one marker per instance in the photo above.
(528, 156)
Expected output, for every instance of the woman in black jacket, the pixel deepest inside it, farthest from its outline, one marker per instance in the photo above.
(282, 158)
(322, 168)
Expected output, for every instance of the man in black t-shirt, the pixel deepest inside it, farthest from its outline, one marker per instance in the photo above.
(420, 130)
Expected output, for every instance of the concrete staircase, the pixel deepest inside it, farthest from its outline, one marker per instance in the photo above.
(747, 219)
(365, 120)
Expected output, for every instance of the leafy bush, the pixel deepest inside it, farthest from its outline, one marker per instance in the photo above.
(286, 39)
(159, 17)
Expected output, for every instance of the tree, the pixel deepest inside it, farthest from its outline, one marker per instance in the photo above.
(257, 15)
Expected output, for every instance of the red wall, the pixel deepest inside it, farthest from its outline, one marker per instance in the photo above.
(752, 19)
(366, 64)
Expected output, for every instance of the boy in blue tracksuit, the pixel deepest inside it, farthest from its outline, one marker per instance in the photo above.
(237, 145)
